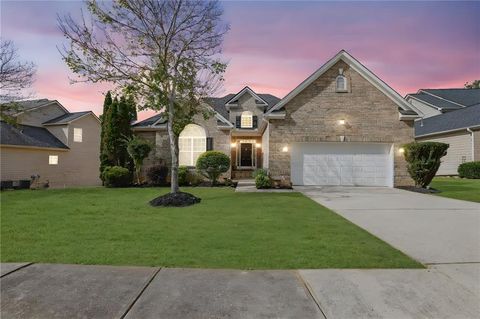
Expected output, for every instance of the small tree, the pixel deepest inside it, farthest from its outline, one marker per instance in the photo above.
(424, 160)
(475, 84)
(105, 158)
(212, 164)
(138, 149)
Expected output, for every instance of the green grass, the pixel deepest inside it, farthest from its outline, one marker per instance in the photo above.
(458, 188)
(226, 230)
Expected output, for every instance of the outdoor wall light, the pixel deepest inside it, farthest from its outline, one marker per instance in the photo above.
(258, 145)
(401, 150)
(233, 145)
(285, 149)
(341, 122)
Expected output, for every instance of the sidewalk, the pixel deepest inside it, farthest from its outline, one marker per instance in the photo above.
(79, 291)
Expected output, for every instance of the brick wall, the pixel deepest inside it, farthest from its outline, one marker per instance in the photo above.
(312, 116)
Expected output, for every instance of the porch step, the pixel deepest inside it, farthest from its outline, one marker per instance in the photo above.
(242, 174)
(246, 182)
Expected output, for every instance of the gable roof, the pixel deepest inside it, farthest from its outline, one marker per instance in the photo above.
(434, 101)
(219, 103)
(451, 121)
(67, 118)
(447, 99)
(355, 65)
(29, 136)
(242, 92)
(27, 105)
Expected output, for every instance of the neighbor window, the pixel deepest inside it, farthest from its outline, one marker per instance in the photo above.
(341, 83)
(77, 134)
(53, 159)
(246, 120)
(191, 143)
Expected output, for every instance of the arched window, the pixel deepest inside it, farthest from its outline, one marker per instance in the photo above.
(191, 143)
(246, 120)
(341, 83)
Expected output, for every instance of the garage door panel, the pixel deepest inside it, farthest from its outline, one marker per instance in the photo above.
(349, 164)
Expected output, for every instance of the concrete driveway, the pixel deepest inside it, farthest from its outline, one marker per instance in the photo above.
(431, 229)
(442, 233)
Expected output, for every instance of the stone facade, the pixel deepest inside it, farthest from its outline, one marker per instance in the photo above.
(312, 116)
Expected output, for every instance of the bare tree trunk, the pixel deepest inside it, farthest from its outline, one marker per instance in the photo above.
(174, 188)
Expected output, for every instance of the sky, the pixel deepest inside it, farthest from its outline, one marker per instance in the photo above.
(272, 46)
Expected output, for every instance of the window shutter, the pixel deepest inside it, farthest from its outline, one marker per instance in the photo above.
(209, 143)
(238, 121)
(255, 121)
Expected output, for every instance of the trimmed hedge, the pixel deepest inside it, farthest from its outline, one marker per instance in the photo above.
(469, 170)
(157, 175)
(423, 160)
(212, 164)
(117, 176)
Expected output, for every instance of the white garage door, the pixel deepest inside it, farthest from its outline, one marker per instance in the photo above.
(346, 164)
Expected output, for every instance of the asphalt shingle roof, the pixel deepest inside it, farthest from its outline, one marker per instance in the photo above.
(466, 97)
(66, 118)
(25, 135)
(149, 121)
(218, 104)
(462, 118)
(427, 98)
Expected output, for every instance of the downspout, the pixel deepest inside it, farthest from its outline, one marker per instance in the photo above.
(469, 130)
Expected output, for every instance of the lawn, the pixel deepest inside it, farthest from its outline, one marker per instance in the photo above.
(458, 188)
(226, 230)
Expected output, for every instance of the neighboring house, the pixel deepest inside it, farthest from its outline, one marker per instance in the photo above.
(48, 140)
(340, 126)
(460, 129)
(431, 102)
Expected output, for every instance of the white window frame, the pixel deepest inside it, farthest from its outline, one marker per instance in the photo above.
(345, 85)
(77, 134)
(52, 159)
(246, 120)
(190, 140)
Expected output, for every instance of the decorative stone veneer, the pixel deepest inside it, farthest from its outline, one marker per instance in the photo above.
(312, 116)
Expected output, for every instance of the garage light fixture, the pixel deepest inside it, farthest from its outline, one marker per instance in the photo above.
(401, 150)
(341, 122)
(285, 149)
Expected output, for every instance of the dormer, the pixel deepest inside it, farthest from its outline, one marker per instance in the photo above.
(233, 102)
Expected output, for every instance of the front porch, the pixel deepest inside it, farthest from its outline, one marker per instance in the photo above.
(246, 156)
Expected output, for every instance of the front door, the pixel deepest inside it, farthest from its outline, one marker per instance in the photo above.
(246, 154)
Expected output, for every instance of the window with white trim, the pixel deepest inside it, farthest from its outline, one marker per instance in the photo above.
(191, 143)
(52, 159)
(77, 134)
(246, 120)
(341, 83)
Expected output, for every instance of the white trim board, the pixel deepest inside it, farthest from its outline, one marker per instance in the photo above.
(242, 92)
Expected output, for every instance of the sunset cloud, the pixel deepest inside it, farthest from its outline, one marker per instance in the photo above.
(273, 46)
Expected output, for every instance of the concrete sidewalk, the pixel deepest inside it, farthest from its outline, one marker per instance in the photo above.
(79, 291)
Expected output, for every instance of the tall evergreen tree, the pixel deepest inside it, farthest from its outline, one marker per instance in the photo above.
(104, 154)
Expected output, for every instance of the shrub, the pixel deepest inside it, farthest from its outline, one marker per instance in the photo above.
(138, 149)
(259, 171)
(117, 176)
(469, 170)
(157, 175)
(263, 181)
(423, 160)
(212, 164)
(182, 176)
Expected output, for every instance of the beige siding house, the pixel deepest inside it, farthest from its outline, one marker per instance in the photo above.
(450, 116)
(59, 146)
(340, 126)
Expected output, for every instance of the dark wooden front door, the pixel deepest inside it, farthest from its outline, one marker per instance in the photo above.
(246, 154)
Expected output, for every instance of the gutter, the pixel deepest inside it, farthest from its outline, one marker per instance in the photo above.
(469, 130)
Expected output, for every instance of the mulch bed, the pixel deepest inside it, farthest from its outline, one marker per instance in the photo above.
(419, 189)
(179, 199)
